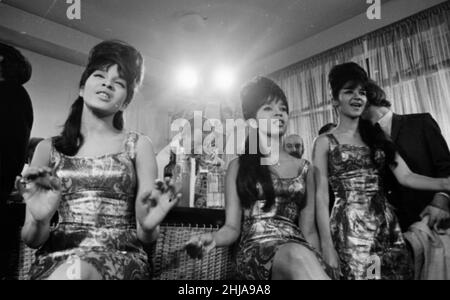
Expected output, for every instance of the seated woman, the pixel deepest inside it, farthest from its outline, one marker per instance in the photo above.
(269, 199)
(100, 177)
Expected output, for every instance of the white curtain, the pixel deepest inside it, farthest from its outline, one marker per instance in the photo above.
(409, 59)
(308, 93)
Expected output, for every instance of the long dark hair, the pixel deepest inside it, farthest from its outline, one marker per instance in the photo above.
(254, 180)
(376, 139)
(15, 67)
(352, 75)
(102, 57)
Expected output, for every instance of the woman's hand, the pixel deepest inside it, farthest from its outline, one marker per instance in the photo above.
(41, 191)
(158, 203)
(331, 257)
(201, 245)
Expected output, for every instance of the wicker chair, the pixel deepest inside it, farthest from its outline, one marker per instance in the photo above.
(26, 259)
(168, 257)
(170, 260)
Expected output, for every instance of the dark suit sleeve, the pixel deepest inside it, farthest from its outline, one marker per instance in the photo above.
(437, 147)
(17, 120)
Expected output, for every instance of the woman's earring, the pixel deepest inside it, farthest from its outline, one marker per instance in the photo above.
(334, 103)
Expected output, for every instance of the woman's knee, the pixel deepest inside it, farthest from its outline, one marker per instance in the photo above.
(294, 261)
(75, 269)
(294, 254)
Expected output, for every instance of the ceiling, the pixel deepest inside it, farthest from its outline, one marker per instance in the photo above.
(238, 32)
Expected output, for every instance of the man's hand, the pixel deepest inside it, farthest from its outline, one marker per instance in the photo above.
(437, 212)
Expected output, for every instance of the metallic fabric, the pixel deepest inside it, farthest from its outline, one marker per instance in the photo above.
(263, 233)
(97, 223)
(364, 228)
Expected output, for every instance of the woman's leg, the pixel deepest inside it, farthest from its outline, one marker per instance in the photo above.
(75, 269)
(296, 262)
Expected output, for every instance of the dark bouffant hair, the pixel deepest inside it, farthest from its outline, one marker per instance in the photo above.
(15, 67)
(106, 54)
(258, 92)
(373, 136)
(375, 95)
(342, 74)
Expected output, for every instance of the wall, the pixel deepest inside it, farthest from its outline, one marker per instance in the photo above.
(148, 114)
(57, 53)
(52, 88)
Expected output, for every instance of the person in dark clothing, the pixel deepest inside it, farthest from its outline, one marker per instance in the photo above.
(327, 128)
(16, 116)
(16, 120)
(419, 141)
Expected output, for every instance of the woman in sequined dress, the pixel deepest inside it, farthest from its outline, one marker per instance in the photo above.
(363, 234)
(99, 177)
(269, 199)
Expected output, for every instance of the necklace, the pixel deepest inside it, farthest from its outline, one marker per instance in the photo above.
(278, 163)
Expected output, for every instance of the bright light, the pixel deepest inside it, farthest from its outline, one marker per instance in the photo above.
(187, 78)
(224, 78)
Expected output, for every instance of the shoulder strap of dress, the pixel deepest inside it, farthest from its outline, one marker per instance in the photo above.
(131, 143)
(333, 139)
(304, 168)
(55, 156)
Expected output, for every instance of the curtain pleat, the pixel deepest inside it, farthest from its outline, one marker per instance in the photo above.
(409, 59)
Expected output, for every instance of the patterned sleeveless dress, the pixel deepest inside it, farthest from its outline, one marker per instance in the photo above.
(364, 228)
(263, 233)
(97, 222)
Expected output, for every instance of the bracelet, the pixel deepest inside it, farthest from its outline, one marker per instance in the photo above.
(440, 207)
(210, 246)
(442, 204)
(445, 195)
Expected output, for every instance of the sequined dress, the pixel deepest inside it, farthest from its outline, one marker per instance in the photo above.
(364, 227)
(97, 222)
(263, 233)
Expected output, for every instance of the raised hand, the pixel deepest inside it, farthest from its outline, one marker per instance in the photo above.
(158, 203)
(41, 191)
(200, 245)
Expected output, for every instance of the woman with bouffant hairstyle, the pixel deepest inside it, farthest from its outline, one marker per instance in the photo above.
(362, 236)
(270, 207)
(99, 177)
